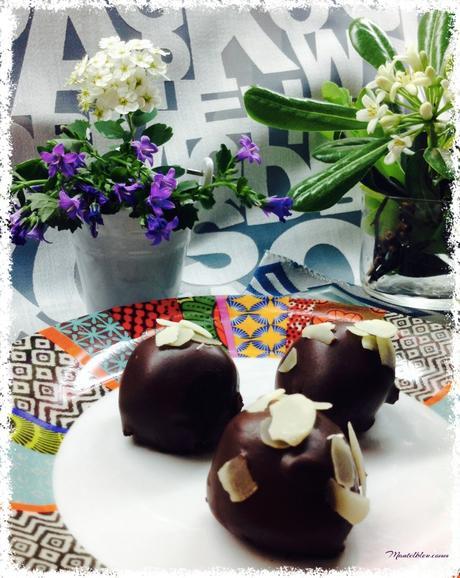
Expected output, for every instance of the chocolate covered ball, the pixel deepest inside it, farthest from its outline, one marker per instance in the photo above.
(284, 478)
(177, 396)
(350, 365)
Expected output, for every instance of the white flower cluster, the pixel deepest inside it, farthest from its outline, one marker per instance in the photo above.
(421, 94)
(119, 78)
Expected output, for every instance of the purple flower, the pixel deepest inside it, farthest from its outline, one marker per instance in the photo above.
(60, 161)
(279, 206)
(145, 149)
(37, 232)
(71, 205)
(125, 192)
(159, 229)
(160, 191)
(249, 150)
(97, 195)
(18, 231)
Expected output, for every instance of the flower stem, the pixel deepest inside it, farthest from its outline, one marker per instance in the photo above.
(26, 184)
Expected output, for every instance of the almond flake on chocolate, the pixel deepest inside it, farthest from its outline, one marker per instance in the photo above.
(386, 352)
(184, 336)
(322, 405)
(293, 418)
(264, 401)
(166, 322)
(195, 327)
(167, 336)
(266, 437)
(205, 340)
(236, 479)
(369, 342)
(289, 361)
(343, 462)
(336, 435)
(321, 332)
(358, 457)
(353, 329)
(351, 506)
(377, 327)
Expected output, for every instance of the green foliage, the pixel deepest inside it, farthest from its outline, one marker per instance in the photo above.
(332, 152)
(158, 133)
(112, 129)
(322, 190)
(163, 169)
(32, 169)
(371, 42)
(139, 118)
(77, 129)
(224, 160)
(279, 111)
(434, 34)
(336, 94)
(434, 158)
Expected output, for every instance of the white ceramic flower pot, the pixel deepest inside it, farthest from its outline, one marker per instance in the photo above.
(121, 267)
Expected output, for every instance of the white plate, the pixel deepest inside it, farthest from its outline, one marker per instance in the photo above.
(135, 508)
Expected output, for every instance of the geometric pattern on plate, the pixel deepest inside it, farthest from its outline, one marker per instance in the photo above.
(425, 346)
(32, 436)
(258, 325)
(200, 310)
(42, 542)
(43, 382)
(138, 318)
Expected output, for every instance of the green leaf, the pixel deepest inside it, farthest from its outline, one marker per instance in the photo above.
(436, 161)
(43, 205)
(165, 168)
(321, 191)
(188, 215)
(77, 129)
(70, 144)
(224, 160)
(332, 152)
(418, 180)
(434, 34)
(336, 94)
(185, 186)
(279, 111)
(158, 133)
(140, 118)
(32, 169)
(112, 129)
(371, 42)
(392, 171)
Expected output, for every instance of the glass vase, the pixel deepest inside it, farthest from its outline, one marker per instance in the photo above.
(121, 267)
(405, 255)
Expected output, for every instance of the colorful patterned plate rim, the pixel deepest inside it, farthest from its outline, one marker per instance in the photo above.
(61, 371)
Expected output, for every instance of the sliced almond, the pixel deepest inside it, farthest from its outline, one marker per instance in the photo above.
(351, 506)
(377, 327)
(184, 336)
(266, 437)
(353, 329)
(236, 479)
(205, 340)
(342, 460)
(321, 332)
(166, 322)
(264, 401)
(369, 342)
(358, 457)
(293, 418)
(336, 435)
(386, 352)
(289, 362)
(322, 405)
(167, 336)
(195, 327)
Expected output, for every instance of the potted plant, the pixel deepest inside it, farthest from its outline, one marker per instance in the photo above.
(121, 202)
(395, 138)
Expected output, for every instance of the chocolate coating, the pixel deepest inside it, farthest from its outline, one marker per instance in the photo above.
(350, 377)
(289, 513)
(178, 399)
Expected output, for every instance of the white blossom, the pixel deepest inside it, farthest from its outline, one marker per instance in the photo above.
(118, 78)
(397, 146)
(373, 110)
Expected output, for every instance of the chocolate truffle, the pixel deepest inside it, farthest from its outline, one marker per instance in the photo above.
(284, 478)
(178, 390)
(350, 365)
